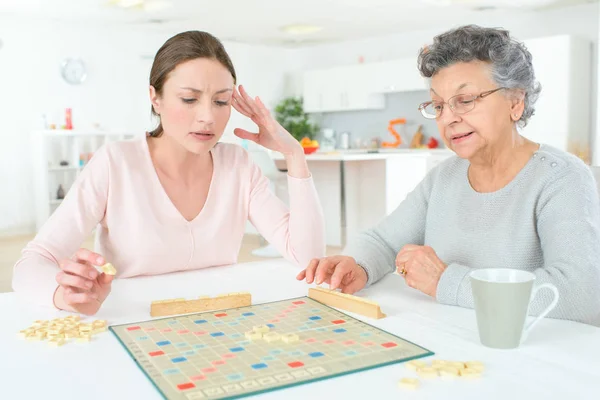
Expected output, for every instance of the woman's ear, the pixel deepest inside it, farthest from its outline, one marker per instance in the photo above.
(155, 100)
(517, 104)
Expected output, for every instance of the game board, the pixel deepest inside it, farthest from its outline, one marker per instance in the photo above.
(208, 356)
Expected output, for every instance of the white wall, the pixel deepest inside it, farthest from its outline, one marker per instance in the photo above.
(115, 94)
(581, 21)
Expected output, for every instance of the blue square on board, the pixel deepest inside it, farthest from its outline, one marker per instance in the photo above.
(271, 325)
(248, 314)
(341, 330)
(200, 321)
(181, 344)
(315, 318)
(316, 354)
(217, 334)
(259, 366)
(236, 377)
(237, 349)
(179, 359)
(163, 343)
(233, 323)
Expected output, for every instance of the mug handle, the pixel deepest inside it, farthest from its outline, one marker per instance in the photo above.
(546, 311)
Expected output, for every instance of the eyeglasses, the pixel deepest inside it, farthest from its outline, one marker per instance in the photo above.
(459, 104)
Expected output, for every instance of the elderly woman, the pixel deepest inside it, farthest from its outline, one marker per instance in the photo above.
(502, 201)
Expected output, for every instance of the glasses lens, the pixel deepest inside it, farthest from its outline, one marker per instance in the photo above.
(429, 110)
(463, 103)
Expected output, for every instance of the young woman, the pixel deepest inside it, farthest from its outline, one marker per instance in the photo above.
(176, 199)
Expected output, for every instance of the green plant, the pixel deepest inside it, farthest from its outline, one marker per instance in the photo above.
(290, 114)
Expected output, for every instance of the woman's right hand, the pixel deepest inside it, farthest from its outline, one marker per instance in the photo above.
(82, 288)
(339, 271)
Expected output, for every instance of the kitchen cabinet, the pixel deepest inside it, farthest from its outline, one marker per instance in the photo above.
(339, 89)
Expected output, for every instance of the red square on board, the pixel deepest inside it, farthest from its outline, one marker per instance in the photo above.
(220, 315)
(134, 328)
(311, 340)
(329, 342)
(209, 370)
(369, 344)
(349, 343)
(150, 329)
(218, 362)
(389, 345)
(185, 386)
(339, 321)
(298, 302)
(167, 330)
(200, 333)
(296, 364)
(156, 353)
(198, 378)
(229, 356)
(183, 332)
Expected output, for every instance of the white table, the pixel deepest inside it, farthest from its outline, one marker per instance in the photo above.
(560, 360)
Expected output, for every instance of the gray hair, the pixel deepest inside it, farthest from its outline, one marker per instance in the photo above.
(510, 60)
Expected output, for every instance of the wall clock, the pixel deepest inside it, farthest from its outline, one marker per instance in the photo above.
(73, 71)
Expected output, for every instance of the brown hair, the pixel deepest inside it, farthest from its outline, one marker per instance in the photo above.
(183, 47)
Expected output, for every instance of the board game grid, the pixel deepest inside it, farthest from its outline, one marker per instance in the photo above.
(206, 355)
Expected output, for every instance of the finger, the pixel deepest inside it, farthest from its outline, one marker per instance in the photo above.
(264, 111)
(249, 101)
(86, 271)
(402, 258)
(240, 105)
(66, 279)
(74, 297)
(341, 270)
(310, 270)
(105, 279)
(301, 275)
(89, 256)
(324, 270)
(244, 134)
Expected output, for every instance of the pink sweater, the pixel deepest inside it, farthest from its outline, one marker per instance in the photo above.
(140, 231)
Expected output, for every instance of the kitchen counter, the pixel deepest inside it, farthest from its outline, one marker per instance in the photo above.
(365, 155)
(358, 188)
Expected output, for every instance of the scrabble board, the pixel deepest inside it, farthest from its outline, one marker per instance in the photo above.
(208, 355)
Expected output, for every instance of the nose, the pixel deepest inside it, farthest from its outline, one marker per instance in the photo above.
(448, 117)
(205, 112)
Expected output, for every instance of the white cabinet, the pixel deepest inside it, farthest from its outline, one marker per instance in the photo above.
(563, 66)
(395, 76)
(50, 148)
(339, 89)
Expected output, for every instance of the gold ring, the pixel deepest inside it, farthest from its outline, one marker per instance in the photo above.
(402, 271)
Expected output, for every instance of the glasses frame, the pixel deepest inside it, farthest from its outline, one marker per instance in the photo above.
(476, 97)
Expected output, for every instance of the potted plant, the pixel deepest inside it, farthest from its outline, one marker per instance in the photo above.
(290, 114)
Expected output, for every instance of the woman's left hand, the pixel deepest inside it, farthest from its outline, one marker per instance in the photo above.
(421, 268)
(270, 133)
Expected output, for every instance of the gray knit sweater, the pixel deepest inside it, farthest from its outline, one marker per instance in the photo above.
(546, 220)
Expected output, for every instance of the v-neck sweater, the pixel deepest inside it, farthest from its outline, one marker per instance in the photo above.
(141, 232)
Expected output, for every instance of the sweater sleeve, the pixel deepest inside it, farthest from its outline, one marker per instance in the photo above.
(375, 249)
(568, 225)
(34, 274)
(297, 231)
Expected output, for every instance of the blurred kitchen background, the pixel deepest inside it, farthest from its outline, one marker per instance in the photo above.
(74, 75)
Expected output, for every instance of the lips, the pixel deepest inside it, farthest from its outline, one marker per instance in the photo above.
(459, 136)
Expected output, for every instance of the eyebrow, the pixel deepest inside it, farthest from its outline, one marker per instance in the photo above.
(460, 87)
(200, 91)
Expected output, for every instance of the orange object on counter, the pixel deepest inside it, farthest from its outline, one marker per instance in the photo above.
(394, 133)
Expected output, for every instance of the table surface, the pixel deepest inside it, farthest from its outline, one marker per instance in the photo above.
(560, 359)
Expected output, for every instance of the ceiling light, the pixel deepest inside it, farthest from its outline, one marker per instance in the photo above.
(299, 29)
(145, 5)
